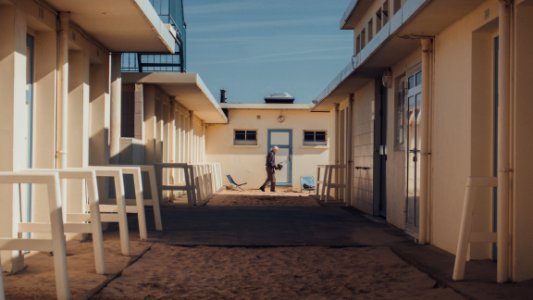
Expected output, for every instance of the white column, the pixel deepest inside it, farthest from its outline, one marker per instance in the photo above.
(62, 91)
(116, 99)
(504, 95)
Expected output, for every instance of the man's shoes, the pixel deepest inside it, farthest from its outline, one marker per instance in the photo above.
(273, 191)
(262, 189)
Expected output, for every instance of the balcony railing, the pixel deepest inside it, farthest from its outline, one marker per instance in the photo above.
(171, 12)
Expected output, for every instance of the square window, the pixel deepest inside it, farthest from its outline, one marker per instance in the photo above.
(251, 135)
(315, 137)
(321, 136)
(418, 77)
(309, 136)
(240, 135)
(245, 137)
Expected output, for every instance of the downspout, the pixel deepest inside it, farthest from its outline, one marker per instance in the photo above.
(349, 150)
(504, 88)
(425, 138)
(190, 137)
(62, 95)
(337, 149)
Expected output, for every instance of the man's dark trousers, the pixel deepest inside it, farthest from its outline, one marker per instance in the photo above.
(270, 178)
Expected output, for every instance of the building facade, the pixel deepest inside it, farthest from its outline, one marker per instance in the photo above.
(58, 97)
(435, 94)
(241, 146)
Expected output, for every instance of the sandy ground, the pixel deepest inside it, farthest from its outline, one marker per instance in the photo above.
(258, 198)
(175, 272)
(167, 272)
(37, 280)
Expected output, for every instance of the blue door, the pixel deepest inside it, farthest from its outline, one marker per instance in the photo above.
(283, 139)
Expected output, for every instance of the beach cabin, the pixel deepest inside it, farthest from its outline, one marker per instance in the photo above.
(305, 140)
(59, 62)
(437, 101)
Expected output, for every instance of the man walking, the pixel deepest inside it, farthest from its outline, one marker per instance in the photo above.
(270, 169)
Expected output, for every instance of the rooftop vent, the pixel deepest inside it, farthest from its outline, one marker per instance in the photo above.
(279, 98)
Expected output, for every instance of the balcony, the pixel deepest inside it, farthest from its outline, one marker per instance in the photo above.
(170, 12)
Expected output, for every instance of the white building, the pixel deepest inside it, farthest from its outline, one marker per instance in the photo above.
(241, 146)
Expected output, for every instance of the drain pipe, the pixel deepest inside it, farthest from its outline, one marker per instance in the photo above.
(425, 136)
(349, 150)
(337, 149)
(62, 95)
(504, 88)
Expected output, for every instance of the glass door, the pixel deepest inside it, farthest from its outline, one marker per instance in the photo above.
(413, 143)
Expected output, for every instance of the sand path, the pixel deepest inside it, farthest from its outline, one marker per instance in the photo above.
(176, 272)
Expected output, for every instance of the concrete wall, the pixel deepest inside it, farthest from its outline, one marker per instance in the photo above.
(247, 163)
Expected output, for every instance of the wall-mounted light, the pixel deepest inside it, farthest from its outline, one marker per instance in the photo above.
(386, 78)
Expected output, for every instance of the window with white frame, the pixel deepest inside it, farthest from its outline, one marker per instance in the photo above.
(245, 137)
(315, 137)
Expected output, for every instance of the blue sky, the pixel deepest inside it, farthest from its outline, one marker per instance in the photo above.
(253, 48)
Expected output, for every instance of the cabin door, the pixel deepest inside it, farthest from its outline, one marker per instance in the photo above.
(380, 152)
(283, 139)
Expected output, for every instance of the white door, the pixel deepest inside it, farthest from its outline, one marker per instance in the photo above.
(283, 139)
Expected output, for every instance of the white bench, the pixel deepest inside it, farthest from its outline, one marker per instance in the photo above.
(84, 221)
(118, 212)
(152, 181)
(189, 187)
(57, 242)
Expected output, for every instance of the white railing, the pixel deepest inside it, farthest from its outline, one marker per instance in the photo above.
(56, 243)
(330, 177)
(200, 180)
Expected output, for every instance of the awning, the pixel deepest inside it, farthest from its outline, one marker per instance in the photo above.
(187, 88)
(397, 39)
(120, 25)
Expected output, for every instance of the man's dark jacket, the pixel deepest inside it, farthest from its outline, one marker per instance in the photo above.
(271, 160)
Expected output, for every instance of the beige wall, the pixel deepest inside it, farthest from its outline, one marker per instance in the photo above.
(461, 144)
(523, 147)
(247, 163)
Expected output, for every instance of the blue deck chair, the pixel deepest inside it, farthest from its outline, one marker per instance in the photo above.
(308, 183)
(235, 185)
